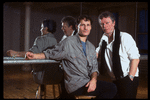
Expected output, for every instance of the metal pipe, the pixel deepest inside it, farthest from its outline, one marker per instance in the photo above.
(23, 61)
(27, 25)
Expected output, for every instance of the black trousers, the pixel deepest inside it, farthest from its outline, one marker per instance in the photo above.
(126, 89)
(103, 90)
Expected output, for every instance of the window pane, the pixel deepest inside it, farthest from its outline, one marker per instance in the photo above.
(142, 21)
(143, 42)
(146, 21)
(116, 16)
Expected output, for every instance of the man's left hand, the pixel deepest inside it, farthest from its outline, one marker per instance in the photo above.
(91, 85)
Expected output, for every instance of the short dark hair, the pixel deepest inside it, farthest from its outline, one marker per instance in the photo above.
(106, 14)
(70, 21)
(84, 17)
(50, 24)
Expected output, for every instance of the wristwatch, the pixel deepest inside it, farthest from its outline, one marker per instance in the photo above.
(132, 77)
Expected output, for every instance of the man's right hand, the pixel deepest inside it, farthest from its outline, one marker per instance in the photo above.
(29, 55)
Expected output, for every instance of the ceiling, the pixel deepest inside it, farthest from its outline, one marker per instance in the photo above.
(72, 7)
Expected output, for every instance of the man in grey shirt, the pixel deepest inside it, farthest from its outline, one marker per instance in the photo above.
(79, 61)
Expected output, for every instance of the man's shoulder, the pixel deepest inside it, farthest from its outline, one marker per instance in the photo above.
(125, 35)
(71, 38)
(39, 38)
(44, 39)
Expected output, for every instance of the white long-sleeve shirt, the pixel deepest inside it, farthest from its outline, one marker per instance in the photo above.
(127, 51)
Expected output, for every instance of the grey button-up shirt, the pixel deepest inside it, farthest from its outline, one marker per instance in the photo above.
(43, 42)
(77, 67)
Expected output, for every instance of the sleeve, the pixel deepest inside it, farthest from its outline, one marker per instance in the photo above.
(93, 59)
(130, 47)
(58, 52)
(95, 65)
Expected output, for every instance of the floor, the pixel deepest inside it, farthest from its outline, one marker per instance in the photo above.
(18, 84)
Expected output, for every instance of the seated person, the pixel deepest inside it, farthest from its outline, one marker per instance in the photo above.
(47, 40)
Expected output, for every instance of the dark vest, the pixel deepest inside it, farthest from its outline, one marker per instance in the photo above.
(116, 67)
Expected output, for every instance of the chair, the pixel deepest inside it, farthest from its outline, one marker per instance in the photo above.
(46, 74)
(41, 91)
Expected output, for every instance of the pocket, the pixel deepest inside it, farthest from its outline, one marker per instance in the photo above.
(77, 58)
(127, 81)
(130, 79)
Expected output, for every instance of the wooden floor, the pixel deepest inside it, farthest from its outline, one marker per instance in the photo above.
(19, 84)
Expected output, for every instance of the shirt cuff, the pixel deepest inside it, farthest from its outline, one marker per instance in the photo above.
(46, 54)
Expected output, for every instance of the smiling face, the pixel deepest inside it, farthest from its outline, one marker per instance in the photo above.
(107, 25)
(84, 28)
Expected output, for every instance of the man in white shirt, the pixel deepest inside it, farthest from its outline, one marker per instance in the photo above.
(119, 57)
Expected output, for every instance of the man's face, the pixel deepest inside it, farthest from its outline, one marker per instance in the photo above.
(84, 28)
(67, 30)
(107, 25)
(43, 29)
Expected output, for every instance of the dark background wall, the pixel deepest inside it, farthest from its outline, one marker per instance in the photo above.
(128, 16)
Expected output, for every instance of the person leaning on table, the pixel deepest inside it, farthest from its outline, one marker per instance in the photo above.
(79, 62)
(119, 57)
(41, 43)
